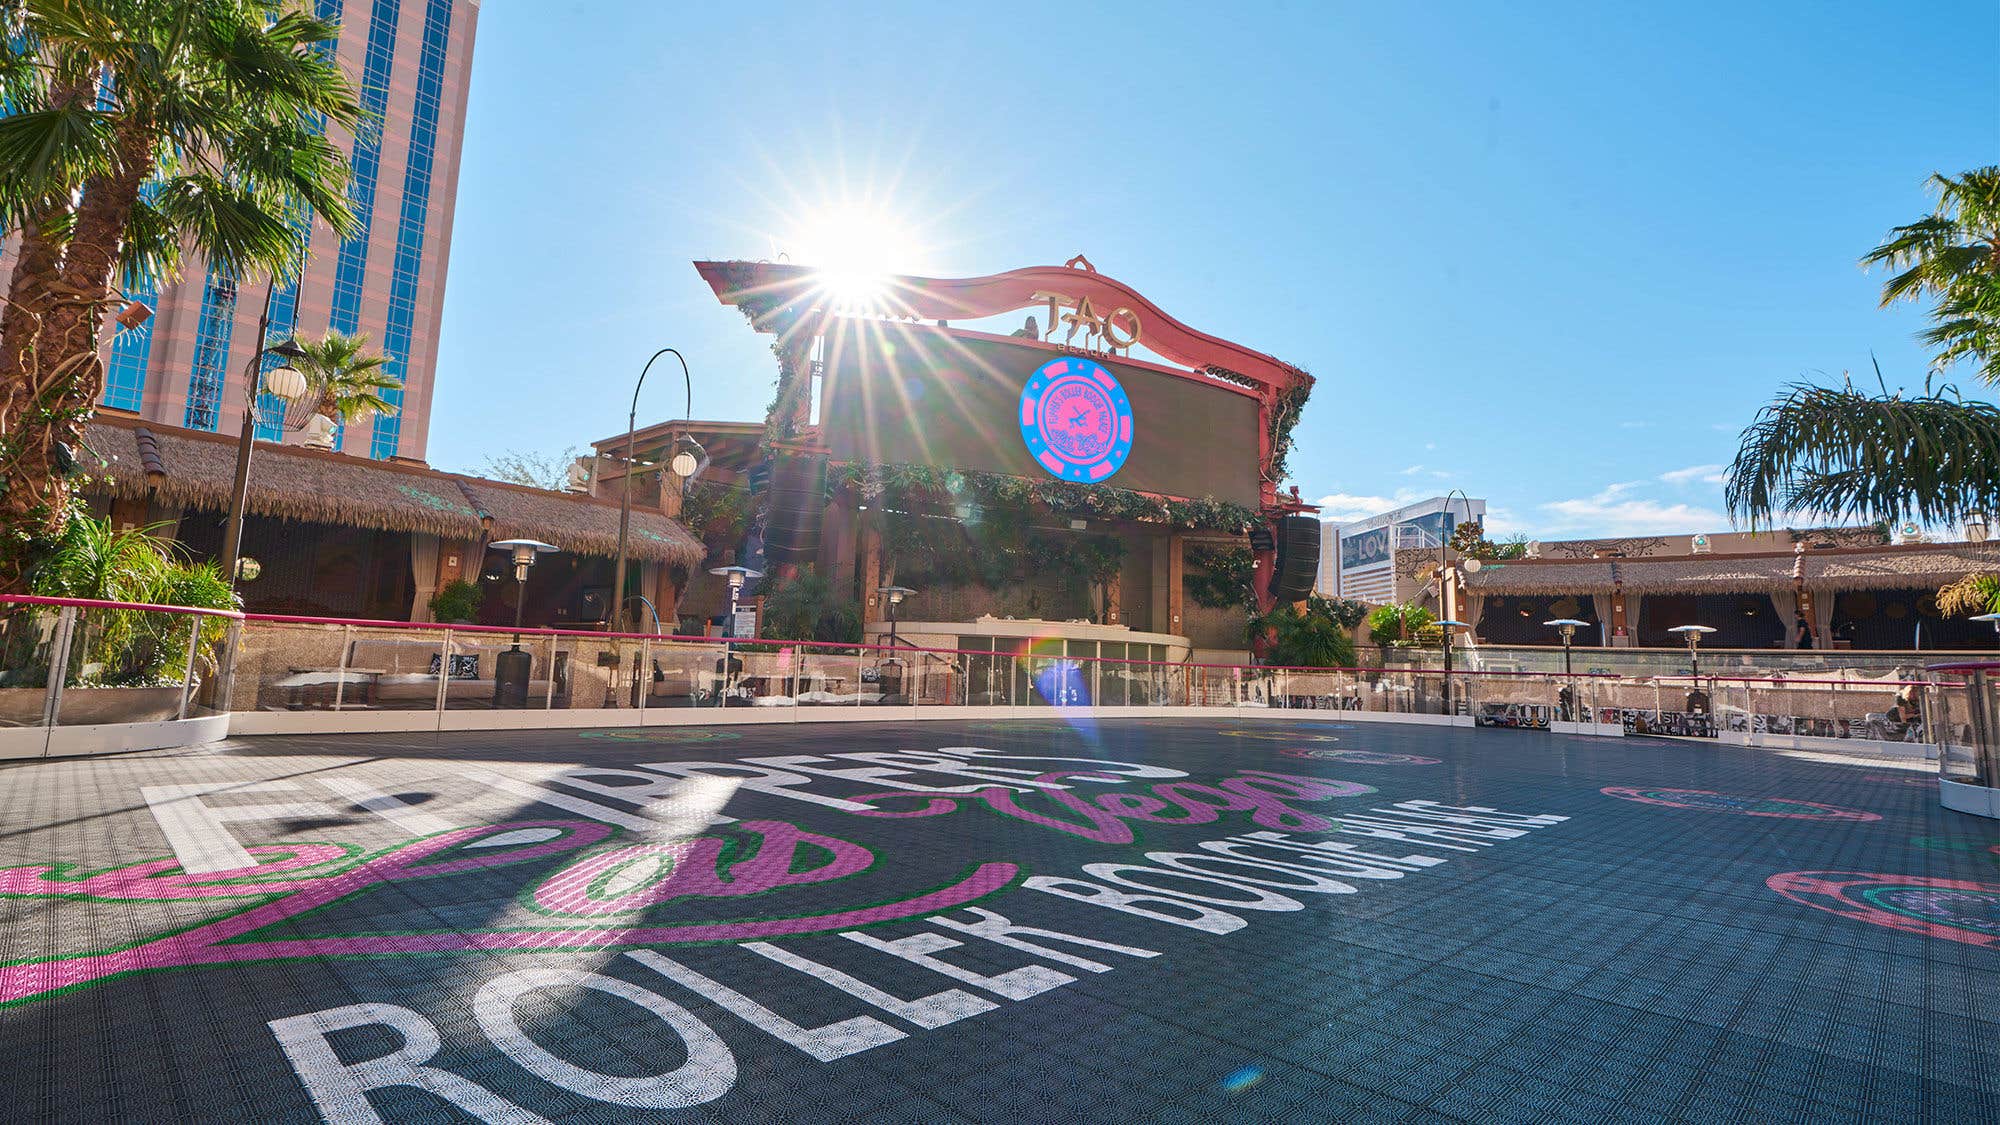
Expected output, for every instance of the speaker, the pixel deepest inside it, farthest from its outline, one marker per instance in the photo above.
(797, 507)
(1297, 566)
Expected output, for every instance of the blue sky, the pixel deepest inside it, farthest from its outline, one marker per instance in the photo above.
(1555, 255)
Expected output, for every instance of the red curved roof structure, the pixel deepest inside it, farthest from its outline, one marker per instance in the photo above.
(775, 284)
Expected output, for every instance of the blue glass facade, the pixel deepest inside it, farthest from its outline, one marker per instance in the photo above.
(211, 352)
(131, 353)
(350, 275)
(396, 336)
(284, 323)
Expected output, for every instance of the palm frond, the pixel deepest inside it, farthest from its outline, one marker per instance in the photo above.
(1836, 453)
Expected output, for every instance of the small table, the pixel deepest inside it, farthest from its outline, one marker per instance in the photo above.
(303, 680)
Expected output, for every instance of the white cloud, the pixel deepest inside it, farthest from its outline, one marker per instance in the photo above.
(1706, 474)
(1346, 507)
(1612, 512)
(1413, 470)
(1635, 425)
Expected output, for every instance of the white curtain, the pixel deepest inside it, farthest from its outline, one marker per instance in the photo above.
(1601, 605)
(1786, 602)
(1475, 606)
(424, 569)
(1822, 618)
(649, 588)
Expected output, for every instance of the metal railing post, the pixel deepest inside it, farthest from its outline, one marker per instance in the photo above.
(340, 673)
(58, 664)
(444, 671)
(232, 651)
(643, 676)
(187, 679)
(549, 673)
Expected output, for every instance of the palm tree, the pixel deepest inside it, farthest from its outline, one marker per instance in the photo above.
(1836, 452)
(136, 131)
(1953, 255)
(345, 381)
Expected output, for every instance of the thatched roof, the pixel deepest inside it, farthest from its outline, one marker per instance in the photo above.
(193, 469)
(1852, 568)
(579, 523)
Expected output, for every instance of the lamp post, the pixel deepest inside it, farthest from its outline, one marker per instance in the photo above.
(1567, 626)
(510, 668)
(283, 381)
(682, 460)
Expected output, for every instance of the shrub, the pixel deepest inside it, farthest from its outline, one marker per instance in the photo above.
(458, 601)
(807, 609)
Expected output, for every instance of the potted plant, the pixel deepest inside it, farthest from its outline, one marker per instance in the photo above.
(457, 603)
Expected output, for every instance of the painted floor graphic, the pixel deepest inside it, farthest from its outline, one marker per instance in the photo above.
(1135, 920)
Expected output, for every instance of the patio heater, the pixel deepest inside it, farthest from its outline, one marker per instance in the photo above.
(511, 668)
(1697, 700)
(1568, 627)
(894, 595)
(1448, 627)
(736, 577)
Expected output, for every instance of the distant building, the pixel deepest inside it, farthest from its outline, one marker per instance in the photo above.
(411, 60)
(1357, 559)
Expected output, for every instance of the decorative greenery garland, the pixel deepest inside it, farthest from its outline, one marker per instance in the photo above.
(922, 487)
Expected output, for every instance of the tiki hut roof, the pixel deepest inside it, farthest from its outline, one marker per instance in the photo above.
(194, 469)
(1846, 568)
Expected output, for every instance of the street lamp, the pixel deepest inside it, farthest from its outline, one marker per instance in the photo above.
(1568, 627)
(283, 381)
(510, 668)
(684, 465)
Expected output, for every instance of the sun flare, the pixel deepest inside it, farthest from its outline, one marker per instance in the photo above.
(856, 249)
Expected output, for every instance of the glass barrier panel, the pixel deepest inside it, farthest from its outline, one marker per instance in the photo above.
(127, 666)
(383, 669)
(1952, 701)
(681, 674)
(27, 644)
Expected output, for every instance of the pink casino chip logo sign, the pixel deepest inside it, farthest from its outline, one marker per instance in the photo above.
(1707, 801)
(1076, 420)
(1953, 909)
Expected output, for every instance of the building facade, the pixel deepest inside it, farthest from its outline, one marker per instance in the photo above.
(1357, 559)
(411, 61)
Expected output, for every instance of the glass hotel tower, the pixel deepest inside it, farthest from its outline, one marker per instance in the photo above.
(411, 60)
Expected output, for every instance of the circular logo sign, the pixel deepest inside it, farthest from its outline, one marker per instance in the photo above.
(1076, 420)
(1730, 803)
(1955, 909)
